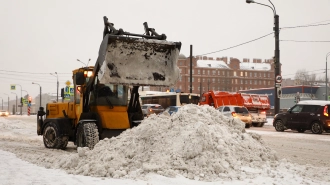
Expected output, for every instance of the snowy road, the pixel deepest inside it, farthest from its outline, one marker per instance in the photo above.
(24, 157)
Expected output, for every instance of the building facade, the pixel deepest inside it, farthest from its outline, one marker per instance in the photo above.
(222, 74)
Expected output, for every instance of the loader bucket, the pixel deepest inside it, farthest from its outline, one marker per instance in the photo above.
(138, 61)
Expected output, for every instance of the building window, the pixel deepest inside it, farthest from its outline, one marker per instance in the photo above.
(213, 72)
(242, 73)
(180, 70)
(198, 71)
(255, 82)
(241, 81)
(213, 80)
(192, 79)
(223, 73)
(203, 80)
(218, 73)
(264, 74)
(245, 73)
(180, 63)
(199, 79)
(250, 74)
(203, 72)
(193, 71)
(255, 74)
(180, 78)
(268, 75)
(208, 72)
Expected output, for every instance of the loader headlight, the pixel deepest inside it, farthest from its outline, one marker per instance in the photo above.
(88, 73)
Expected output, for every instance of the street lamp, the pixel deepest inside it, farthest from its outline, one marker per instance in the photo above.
(57, 85)
(16, 103)
(84, 63)
(326, 76)
(8, 100)
(277, 51)
(40, 92)
(2, 103)
(21, 98)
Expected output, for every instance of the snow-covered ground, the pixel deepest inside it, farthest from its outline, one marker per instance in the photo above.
(195, 146)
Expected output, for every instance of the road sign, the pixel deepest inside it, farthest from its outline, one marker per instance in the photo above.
(13, 87)
(278, 79)
(278, 85)
(68, 83)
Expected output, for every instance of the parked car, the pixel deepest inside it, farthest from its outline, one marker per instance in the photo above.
(240, 112)
(306, 115)
(148, 109)
(172, 109)
(4, 113)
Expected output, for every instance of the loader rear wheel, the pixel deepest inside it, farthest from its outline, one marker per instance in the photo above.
(87, 135)
(52, 139)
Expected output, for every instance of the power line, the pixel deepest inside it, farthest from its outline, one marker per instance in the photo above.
(301, 26)
(28, 72)
(304, 41)
(305, 26)
(239, 44)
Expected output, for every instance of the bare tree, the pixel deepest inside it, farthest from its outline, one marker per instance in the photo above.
(302, 77)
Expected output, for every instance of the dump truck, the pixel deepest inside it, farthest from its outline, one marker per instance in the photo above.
(257, 104)
(106, 99)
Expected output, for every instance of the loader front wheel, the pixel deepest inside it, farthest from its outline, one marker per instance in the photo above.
(52, 139)
(87, 135)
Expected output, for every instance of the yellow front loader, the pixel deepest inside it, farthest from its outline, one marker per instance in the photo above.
(106, 98)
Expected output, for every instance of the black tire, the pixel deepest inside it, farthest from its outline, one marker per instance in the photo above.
(248, 125)
(87, 135)
(279, 126)
(52, 139)
(316, 128)
(261, 124)
(301, 130)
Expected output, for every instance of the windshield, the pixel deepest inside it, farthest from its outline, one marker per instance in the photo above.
(109, 94)
(241, 110)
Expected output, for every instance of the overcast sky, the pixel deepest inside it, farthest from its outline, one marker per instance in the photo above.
(41, 37)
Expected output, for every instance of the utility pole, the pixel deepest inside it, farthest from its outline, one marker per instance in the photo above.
(277, 54)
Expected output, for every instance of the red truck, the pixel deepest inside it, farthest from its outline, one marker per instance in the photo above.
(257, 104)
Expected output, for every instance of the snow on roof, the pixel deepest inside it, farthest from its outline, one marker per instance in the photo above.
(243, 65)
(212, 64)
(254, 66)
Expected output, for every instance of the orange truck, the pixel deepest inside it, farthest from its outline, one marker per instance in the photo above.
(257, 104)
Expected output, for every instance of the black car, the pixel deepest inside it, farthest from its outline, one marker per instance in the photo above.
(306, 115)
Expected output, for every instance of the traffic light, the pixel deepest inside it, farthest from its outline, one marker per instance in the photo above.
(30, 99)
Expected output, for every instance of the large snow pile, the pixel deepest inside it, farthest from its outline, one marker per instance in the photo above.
(196, 142)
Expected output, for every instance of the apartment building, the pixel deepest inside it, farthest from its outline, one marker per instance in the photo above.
(222, 74)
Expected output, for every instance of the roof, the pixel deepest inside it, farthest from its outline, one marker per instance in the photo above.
(212, 64)
(255, 66)
(314, 102)
(243, 65)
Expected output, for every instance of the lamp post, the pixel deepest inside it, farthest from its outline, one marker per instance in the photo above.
(40, 92)
(16, 103)
(2, 103)
(8, 101)
(21, 98)
(277, 51)
(57, 85)
(326, 76)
